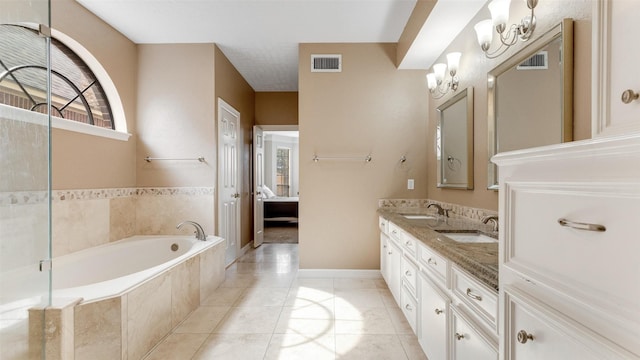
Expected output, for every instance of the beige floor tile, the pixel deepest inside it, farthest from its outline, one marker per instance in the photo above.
(351, 284)
(399, 321)
(379, 347)
(250, 320)
(359, 298)
(387, 298)
(305, 296)
(295, 346)
(234, 347)
(381, 284)
(262, 297)
(203, 320)
(351, 320)
(224, 296)
(310, 320)
(177, 347)
(317, 283)
(412, 347)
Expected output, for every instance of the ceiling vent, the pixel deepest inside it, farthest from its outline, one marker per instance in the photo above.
(539, 61)
(326, 63)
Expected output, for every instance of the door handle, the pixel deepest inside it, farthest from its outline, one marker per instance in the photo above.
(235, 196)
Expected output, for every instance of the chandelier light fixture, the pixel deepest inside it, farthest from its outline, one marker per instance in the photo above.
(499, 16)
(436, 83)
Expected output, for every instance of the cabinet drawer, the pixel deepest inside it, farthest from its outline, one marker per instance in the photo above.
(409, 244)
(480, 298)
(409, 274)
(395, 232)
(469, 341)
(553, 236)
(536, 331)
(409, 306)
(383, 224)
(435, 264)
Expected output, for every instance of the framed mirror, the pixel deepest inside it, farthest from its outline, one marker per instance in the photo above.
(530, 96)
(454, 141)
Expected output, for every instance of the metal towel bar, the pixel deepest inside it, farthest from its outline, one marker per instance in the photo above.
(367, 158)
(150, 159)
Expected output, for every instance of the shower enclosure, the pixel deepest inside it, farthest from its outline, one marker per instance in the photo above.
(25, 235)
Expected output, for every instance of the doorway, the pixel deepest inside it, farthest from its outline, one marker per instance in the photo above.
(277, 192)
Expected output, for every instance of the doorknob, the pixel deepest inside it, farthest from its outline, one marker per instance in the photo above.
(629, 96)
(235, 196)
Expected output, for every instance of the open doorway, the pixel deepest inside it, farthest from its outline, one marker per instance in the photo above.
(278, 188)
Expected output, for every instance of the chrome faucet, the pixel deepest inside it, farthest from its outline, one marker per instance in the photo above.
(441, 211)
(200, 235)
(493, 219)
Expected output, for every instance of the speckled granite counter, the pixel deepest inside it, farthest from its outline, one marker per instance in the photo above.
(478, 259)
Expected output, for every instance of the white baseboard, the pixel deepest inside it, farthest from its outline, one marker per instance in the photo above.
(245, 249)
(339, 273)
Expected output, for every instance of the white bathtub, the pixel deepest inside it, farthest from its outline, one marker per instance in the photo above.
(115, 268)
(127, 295)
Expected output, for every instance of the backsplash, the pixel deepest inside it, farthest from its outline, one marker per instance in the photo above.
(457, 209)
(86, 218)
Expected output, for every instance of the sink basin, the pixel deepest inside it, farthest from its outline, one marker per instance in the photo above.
(419, 217)
(469, 237)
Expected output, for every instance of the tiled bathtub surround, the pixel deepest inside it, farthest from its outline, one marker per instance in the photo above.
(460, 210)
(87, 218)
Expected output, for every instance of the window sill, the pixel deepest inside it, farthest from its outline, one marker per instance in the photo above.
(17, 114)
(69, 125)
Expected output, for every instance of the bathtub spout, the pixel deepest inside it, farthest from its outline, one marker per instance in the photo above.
(200, 235)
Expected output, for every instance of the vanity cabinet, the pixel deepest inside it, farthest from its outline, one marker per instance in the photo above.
(569, 250)
(469, 340)
(390, 262)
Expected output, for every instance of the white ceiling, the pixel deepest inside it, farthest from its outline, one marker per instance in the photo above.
(261, 37)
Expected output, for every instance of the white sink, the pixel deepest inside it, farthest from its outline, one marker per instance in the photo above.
(470, 237)
(419, 217)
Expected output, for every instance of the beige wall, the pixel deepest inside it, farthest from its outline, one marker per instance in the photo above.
(473, 72)
(370, 107)
(233, 89)
(417, 19)
(84, 161)
(277, 108)
(176, 115)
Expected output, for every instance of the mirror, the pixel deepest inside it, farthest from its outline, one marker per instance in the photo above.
(530, 96)
(454, 139)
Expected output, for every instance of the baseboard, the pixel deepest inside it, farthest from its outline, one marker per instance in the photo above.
(339, 273)
(246, 248)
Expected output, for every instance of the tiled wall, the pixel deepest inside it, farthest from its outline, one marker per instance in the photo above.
(456, 209)
(87, 218)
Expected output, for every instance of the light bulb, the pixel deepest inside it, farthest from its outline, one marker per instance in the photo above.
(484, 31)
(453, 61)
(439, 70)
(431, 81)
(499, 13)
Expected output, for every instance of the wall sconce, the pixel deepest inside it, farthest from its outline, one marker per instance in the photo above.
(435, 80)
(499, 16)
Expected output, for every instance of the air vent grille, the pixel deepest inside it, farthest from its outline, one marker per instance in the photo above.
(539, 61)
(326, 63)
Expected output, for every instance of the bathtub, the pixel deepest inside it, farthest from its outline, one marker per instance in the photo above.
(115, 268)
(129, 294)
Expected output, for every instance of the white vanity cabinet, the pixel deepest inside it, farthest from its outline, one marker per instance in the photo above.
(469, 341)
(569, 250)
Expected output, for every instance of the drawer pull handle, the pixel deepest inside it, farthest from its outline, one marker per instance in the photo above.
(408, 273)
(523, 337)
(430, 261)
(408, 307)
(629, 95)
(459, 336)
(390, 252)
(438, 311)
(408, 243)
(384, 246)
(473, 296)
(582, 226)
(394, 232)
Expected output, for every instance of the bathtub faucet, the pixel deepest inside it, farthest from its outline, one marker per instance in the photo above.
(200, 235)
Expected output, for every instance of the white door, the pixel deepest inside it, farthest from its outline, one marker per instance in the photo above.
(228, 179)
(258, 182)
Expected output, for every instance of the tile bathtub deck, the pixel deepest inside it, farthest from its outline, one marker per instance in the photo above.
(263, 310)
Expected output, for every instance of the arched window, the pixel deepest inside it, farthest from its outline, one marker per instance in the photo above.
(76, 93)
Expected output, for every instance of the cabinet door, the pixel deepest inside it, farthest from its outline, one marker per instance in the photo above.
(615, 63)
(469, 341)
(536, 331)
(434, 316)
(395, 277)
(384, 265)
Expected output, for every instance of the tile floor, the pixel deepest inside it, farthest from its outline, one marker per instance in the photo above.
(263, 310)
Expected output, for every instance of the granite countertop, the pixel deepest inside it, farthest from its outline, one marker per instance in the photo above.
(478, 259)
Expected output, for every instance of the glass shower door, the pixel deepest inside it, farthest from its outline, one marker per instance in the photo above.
(24, 182)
